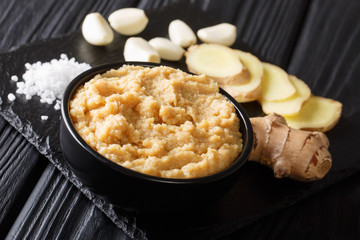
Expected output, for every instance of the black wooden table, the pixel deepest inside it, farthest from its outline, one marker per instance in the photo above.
(313, 39)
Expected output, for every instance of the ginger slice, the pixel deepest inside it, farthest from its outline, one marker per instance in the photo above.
(251, 90)
(297, 154)
(276, 85)
(317, 114)
(292, 105)
(218, 62)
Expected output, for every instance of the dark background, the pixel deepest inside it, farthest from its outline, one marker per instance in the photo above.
(317, 40)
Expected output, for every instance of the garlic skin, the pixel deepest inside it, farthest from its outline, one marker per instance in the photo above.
(96, 30)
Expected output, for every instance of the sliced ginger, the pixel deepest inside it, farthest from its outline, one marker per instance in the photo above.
(251, 90)
(317, 114)
(218, 62)
(292, 105)
(276, 85)
(297, 154)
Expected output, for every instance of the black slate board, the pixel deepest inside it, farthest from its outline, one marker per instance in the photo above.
(257, 193)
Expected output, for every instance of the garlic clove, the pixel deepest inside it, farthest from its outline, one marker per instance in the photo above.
(138, 49)
(96, 30)
(223, 33)
(167, 49)
(181, 34)
(128, 21)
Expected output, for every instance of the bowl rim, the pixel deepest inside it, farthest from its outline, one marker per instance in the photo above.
(85, 76)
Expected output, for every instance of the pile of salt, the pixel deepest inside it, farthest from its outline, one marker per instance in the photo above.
(48, 80)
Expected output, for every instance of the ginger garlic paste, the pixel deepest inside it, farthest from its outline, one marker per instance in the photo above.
(158, 121)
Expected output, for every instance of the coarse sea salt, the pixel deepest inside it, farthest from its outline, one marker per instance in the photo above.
(48, 80)
(11, 97)
(14, 78)
(44, 117)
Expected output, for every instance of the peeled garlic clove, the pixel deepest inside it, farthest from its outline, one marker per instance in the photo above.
(138, 49)
(96, 30)
(223, 33)
(167, 49)
(128, 21)
(181, 34)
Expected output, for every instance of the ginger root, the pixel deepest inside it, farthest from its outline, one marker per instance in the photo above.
(297, 154)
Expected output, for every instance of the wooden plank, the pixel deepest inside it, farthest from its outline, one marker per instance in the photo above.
(330, 214)
(17, 177)
(327, 59)
(58, 210)
(328, 49)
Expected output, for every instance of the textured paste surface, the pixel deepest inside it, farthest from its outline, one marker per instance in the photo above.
(159, 121)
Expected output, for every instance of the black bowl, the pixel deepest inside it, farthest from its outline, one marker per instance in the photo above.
(134, 191)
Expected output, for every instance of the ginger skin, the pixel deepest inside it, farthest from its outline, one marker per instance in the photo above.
(297, 154)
